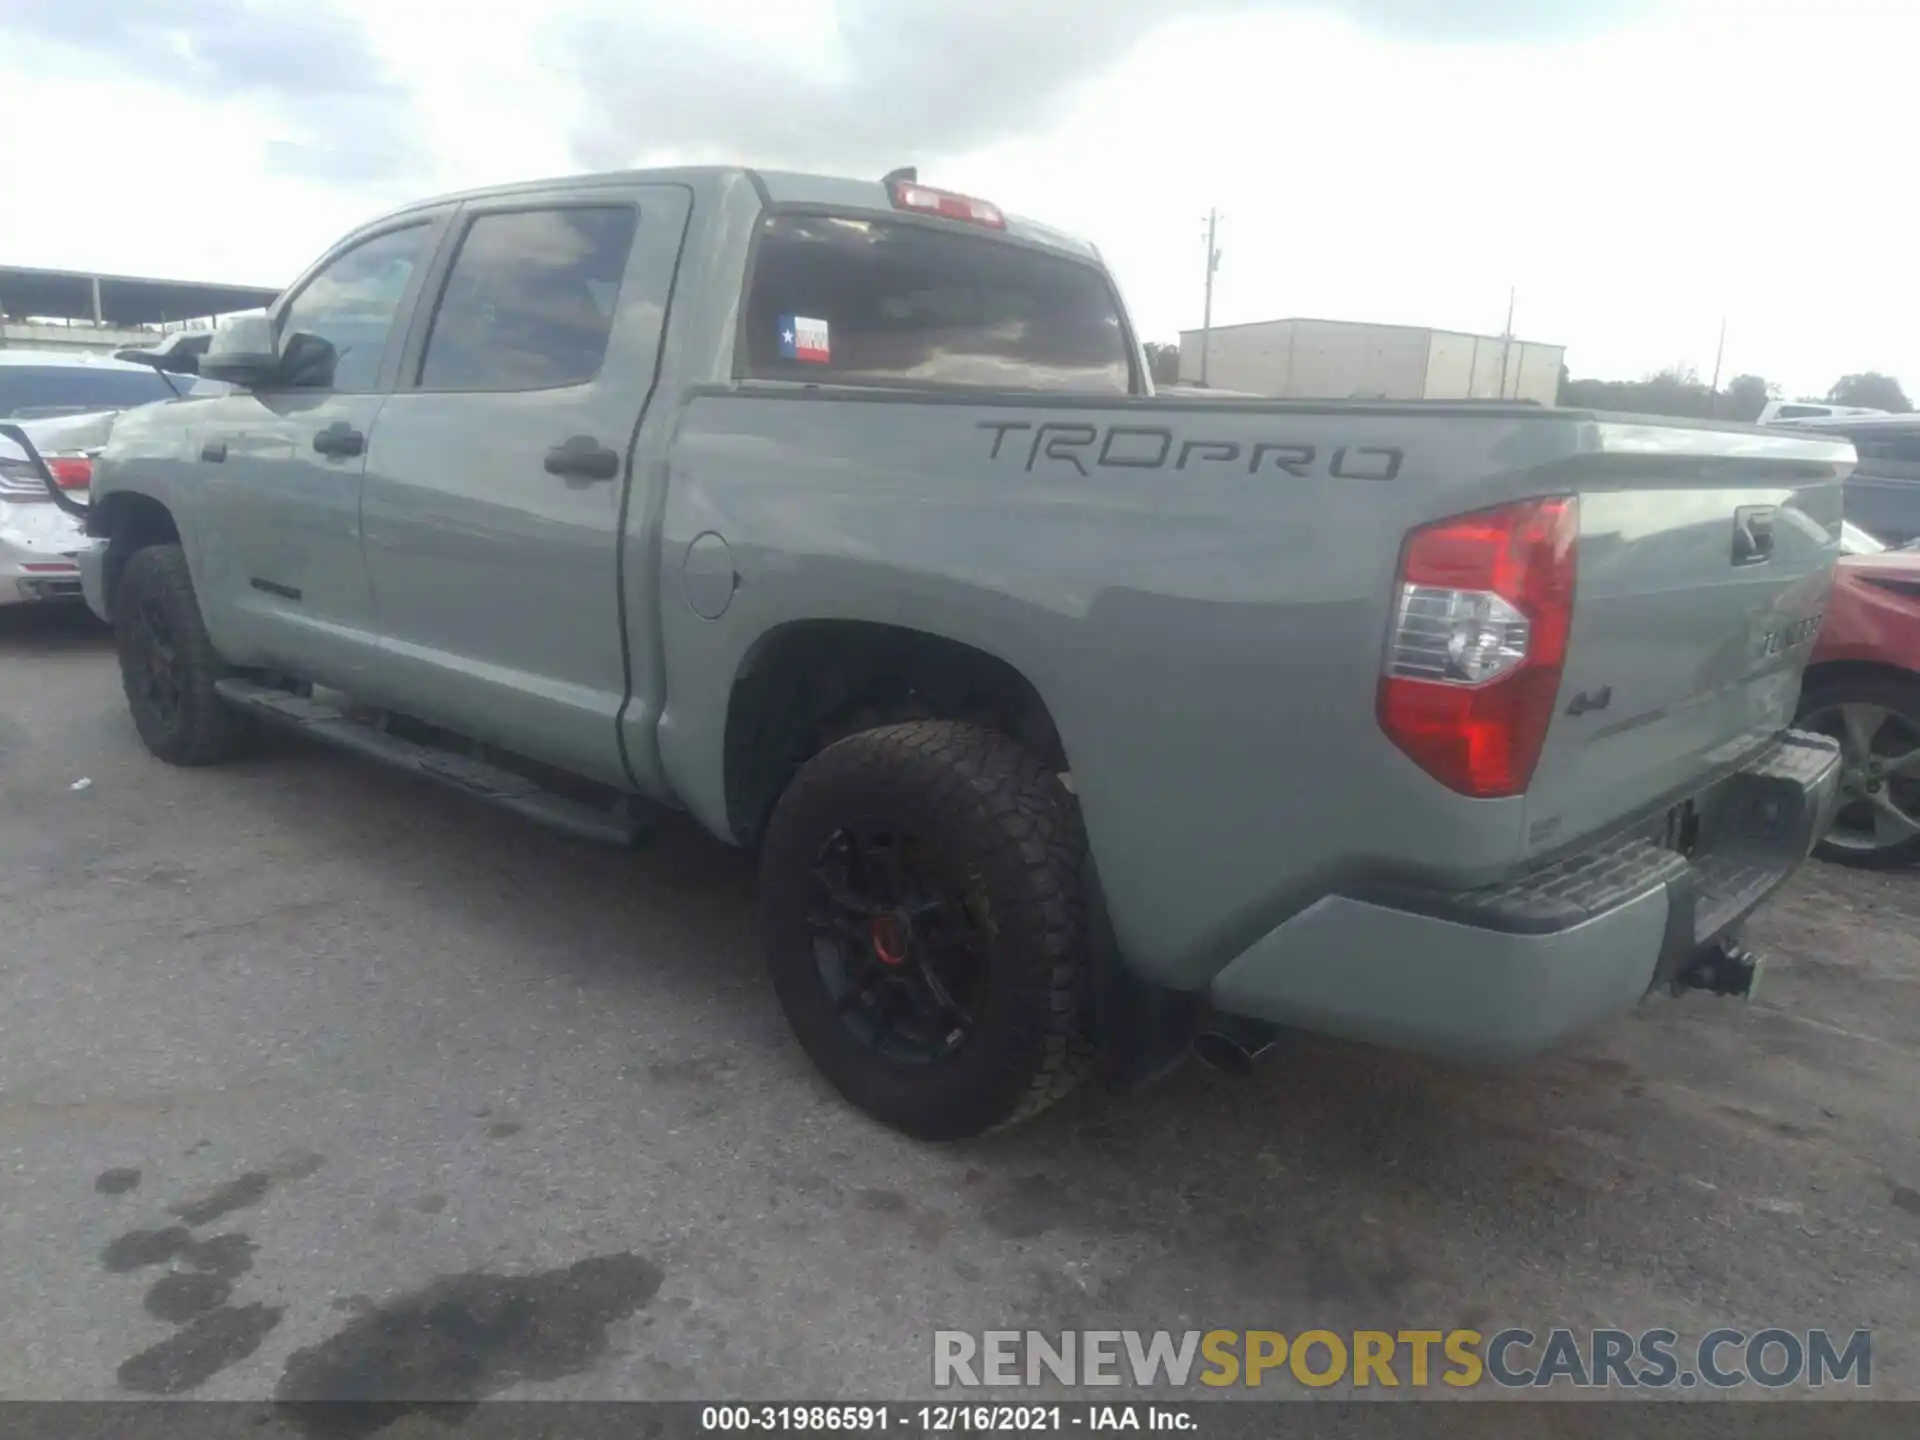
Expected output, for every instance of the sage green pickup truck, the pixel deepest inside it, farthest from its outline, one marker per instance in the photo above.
(1075, 728)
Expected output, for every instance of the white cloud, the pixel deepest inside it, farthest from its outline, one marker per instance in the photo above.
(1634, 179)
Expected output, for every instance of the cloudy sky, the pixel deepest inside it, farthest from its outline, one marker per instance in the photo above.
(1635, 169)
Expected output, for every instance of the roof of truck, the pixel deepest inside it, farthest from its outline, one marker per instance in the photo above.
(776, 187)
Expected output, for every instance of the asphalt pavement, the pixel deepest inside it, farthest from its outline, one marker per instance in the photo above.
(318, 1082)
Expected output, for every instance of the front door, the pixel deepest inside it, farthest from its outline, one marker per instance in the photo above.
(280, 549)
(498, 476)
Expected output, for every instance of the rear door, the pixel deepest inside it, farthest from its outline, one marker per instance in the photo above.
(277, 538)
(499, 472)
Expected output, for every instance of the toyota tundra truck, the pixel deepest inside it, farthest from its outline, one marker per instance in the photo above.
(1073, 728)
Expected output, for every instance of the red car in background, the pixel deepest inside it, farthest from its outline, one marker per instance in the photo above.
(1863, 688)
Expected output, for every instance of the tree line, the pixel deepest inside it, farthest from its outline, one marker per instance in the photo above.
(1677, 390)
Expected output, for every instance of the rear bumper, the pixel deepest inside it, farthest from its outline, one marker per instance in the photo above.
(91, 557)
(1505, 972)
(36, 555)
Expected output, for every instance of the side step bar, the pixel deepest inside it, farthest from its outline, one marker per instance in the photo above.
(497, 786)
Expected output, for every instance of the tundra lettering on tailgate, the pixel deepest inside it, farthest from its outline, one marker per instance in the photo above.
(1790, 637)
(1153, 447)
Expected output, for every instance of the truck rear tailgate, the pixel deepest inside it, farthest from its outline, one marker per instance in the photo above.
(1704, 561)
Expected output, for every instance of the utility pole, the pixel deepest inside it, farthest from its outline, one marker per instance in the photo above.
(1719, 353)
(1506, 339)
(1206, 317)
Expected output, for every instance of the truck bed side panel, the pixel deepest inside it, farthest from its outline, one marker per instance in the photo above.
(1199, 592)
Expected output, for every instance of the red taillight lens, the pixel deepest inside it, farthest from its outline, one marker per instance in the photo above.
(911, 195)
(1479, 639)
(71, 472)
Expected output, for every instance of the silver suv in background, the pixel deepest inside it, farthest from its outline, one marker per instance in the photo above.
(67, 401)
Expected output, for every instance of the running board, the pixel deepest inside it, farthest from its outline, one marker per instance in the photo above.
(334, 726)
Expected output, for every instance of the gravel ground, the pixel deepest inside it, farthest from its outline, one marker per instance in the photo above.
(301, 1060)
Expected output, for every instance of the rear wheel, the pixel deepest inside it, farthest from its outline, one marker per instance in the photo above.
(167, 664)
(1876, 719)
(923, 912)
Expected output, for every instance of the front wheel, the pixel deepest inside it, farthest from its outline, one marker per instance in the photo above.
(1876, 719)
(924, 915)
(167, 664)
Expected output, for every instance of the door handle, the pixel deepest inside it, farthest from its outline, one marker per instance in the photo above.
(339, 441)
(214, 451)
(583, 458)
(1753, 534)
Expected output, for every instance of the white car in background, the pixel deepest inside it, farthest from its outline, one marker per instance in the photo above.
(66, 401)
(1780, 411)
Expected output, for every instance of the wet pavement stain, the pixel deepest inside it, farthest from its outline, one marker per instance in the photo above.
(298, 1165)
(117, 1181)
(138, 1248)
(227, 1256)
(178, 1297)
(460, 1339)
(199, 1350)
(250, 1189)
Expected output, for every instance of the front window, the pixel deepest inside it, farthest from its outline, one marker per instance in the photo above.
(347, 312)
(851, 301)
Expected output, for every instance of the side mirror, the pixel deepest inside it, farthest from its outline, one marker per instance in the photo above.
(178, 354)
(242, 352)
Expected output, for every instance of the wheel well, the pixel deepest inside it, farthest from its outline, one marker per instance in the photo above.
(810, 683)
(1834, 672)
(129, 521)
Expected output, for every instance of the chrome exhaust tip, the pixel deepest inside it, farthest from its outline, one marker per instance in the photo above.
(1233, 1048)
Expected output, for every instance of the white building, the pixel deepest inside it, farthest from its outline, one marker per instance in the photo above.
(1342, 360)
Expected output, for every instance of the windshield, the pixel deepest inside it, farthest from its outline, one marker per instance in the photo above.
(34, 391)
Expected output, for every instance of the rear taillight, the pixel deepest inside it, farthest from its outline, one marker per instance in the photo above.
(71, 472)
(1479, 639)
(912, 195)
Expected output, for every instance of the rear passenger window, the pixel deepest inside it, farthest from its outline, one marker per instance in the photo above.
(529, 302)
(858, 301)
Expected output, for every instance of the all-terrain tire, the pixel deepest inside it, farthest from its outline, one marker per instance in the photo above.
(164, 651)
(1003, 820)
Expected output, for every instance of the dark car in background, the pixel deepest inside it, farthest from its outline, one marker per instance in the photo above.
(1882, 495)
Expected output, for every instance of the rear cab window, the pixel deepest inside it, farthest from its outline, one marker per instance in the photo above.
(858, 300)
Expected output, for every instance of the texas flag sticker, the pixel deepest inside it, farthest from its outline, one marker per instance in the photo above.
(804, 339)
